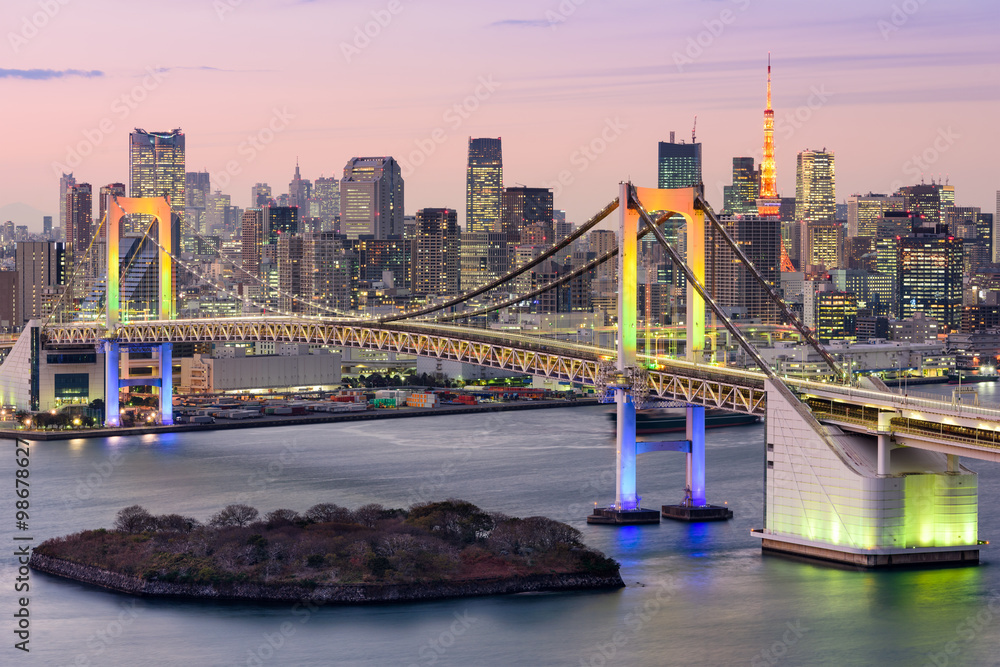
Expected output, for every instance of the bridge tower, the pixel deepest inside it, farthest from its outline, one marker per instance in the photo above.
(112, 346)
(626, 380)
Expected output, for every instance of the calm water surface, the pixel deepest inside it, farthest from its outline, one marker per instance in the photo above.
(697, 594)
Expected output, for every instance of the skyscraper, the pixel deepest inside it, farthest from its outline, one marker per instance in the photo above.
(260, 195)
(822, 244)
(483, 257)
(79, 222)
(815, 192)
(524, 207)
(104, 201)
(326, 195)
(157, 167)
(931, 200)
(41, 267)
(252, 238)
(929, 276)
(769, 203)
(67, 180)
(299, 192)
(745, 190)
(437, 263)
(371, 198)
(47, 226)
(678, 165)
(197, 187)
(483, 185)
(864, 211)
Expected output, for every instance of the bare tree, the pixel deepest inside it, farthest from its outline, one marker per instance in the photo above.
(329, 512)
(281, 517)
(235, 515)
(134, 519)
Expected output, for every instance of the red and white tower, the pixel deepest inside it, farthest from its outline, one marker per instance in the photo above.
(768, 204)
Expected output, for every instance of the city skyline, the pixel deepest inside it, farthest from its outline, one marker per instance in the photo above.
(878, 101)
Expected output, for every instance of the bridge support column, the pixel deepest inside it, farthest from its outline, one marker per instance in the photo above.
(112, 383)
(625, 493)
(166, 384)
(884, 447)
(953, 463)
(695, 507)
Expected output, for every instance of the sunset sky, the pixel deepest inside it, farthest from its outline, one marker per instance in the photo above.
(256, 84)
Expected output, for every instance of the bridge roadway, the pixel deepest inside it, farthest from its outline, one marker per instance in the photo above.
(923, 422)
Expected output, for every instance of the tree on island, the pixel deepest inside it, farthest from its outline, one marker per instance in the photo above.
(234, 515)
(134, 519)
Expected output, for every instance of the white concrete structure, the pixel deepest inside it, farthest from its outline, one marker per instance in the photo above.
(828, 496)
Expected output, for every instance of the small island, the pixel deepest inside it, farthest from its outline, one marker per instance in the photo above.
(330, 555)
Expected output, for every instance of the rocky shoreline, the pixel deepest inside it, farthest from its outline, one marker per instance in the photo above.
(324, 593)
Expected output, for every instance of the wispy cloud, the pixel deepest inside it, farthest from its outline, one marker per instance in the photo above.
(522, 23)
(43, 74)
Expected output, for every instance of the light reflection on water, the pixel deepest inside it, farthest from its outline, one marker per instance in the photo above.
(698, 594)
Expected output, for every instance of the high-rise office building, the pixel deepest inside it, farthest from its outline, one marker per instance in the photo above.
(326, 196)
(484, 185)
(931, 200)
(678, 165)
(66, 180)
(371, 198)
(731, 283)
(299, 192)
(252, 238)
(79, 222)
(156, 167)
(260, 195)
(864, 211)
(745, 190)
(378, 257)
(197, 187)
(523, 207)
(436, 267)
(41, 269)
(822, 244)
(483, 257)
(293, 279)
(929, 276)
(815, 191)
(216, 205)
(47, 226)
(106, 193)
(836, 316)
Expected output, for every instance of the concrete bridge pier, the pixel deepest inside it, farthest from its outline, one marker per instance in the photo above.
(113, 381)
(694, 507)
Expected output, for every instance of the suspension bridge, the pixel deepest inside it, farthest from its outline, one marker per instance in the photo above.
(854, 472)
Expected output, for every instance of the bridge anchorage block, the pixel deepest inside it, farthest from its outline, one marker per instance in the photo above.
(693, 514)
(616, 517)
